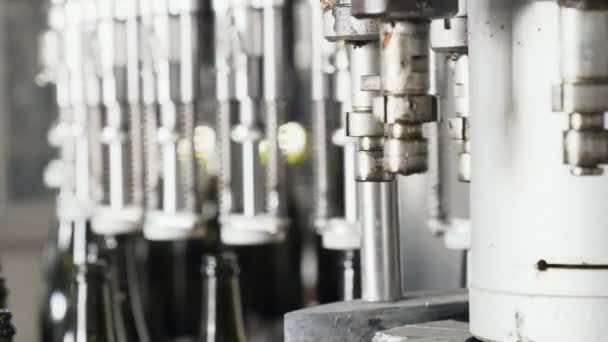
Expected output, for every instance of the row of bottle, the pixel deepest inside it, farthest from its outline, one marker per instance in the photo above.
(107, 293)
(136, 290)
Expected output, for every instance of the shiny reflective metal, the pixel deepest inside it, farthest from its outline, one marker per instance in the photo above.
(360, 122)
(370, 161)
(449, 39)
(335, 199)
(583, 90)
(374, 182)
(405, 104)
(380, 250)
(459, 127)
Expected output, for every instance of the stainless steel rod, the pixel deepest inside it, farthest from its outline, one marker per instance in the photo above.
(380, 252)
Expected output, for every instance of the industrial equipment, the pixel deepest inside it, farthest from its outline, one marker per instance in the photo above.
(215, 156)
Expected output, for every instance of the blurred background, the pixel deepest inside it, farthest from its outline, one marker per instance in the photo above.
(27, 109)
(26, 205)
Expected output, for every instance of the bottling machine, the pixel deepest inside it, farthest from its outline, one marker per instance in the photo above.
(208, 148)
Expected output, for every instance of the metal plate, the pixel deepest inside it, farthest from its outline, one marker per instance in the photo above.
(359, 321)
(441, 331)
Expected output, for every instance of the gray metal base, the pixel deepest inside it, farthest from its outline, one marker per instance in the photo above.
(442, 331)
(360, 321)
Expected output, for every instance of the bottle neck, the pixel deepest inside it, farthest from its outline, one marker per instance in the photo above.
(350, 275)
(124, 284)
(92, 316)
(222, 317)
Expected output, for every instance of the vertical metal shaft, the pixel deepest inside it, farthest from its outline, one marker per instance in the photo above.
(380, 244)
(82, 92)
(274, 97)
(380, 258)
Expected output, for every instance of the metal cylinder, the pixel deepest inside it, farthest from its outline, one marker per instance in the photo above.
(583, 89)
(404, 57)
(275, 102)
(538, 257)
(406, 105)
(363, 62)
(583, 37)
(326, 117)
(380, 252)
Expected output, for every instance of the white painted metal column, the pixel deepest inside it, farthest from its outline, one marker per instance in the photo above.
(539, 255)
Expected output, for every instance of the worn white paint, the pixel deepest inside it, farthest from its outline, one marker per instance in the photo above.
(526, 207)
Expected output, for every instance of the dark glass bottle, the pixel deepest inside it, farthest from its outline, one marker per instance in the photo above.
(339, 275)
(120, 255)
(173, 288)
(91, 316)
(349, 269)
(7, 329)
(57, 273)
(271, 285)
(222, 316)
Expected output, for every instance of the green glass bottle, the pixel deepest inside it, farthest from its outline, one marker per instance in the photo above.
(91, 316)
(350, 275)
(57, 273)
(222, 316)
(120, 256)
(339, 275)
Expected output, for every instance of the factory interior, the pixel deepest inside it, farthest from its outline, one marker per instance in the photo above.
(303, 170)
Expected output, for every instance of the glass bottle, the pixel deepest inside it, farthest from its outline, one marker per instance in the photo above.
(57, 273)
(174, 289)
(91, 316)
(339, 275)
(222, 316)
(121, 258)
(350, 275)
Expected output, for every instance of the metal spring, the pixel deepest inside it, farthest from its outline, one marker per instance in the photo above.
(127, 167)
(136, 153)
(187, 179)
(151, 157)
(275, 167)
(225, 154)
